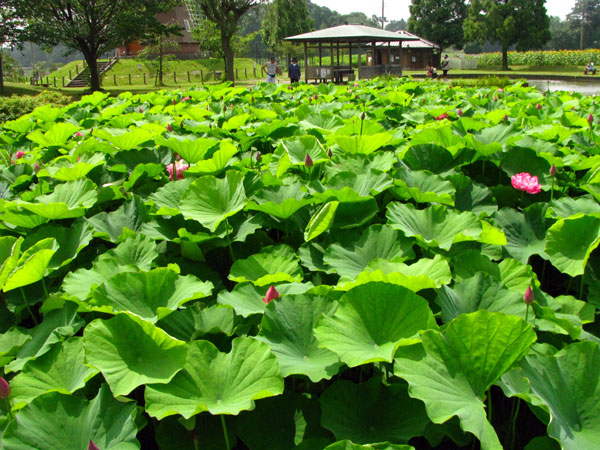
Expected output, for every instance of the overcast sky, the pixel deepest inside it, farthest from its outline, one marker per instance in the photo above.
(398, 9)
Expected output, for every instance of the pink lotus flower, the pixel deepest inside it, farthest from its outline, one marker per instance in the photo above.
(308, 162)
(355, 84)
(4, 389)
(169, 127)
(528, 296)
(19, 154)
(525, 182)
(500, 90)
(272, 294)
(442, 117)
(180, 166)
(78, 134)
(185, 99)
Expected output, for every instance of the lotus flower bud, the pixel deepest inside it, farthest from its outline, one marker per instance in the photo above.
(36, 167)
(169, 127)
(185, 99)
(174, 102)
(495, 99)
(316, 97)
(362, 116)
(19, 154)
(500, 90)
(308, 162)
(78, 134)
(92, 446)
(140, 110)
(528, 296)
(505, 118)
(258, 156)
(590, 119)
(538, 106)
(271, 295)
(460, 112)
(252, 99)
(329, 152)
(4, 389)
(553, 170)
(355, 84)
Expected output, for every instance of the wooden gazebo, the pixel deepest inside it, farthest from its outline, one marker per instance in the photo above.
(348, 38)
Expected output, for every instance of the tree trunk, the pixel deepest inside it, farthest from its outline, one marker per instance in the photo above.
(228, 57)
(92, 61)
(504, 58)
(160, 63)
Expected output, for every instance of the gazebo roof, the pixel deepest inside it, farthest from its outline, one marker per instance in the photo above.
(350, 33)
(419, 42)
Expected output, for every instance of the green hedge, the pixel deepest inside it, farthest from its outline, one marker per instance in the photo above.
(542, 58)
(15, 106)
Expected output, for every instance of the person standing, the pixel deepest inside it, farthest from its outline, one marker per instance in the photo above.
(445, 65)
(294, 71)
(271, 67)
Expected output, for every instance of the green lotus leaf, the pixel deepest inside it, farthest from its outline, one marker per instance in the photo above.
(56, 326)
(443, 136)
(191, 150)
(324, 121)
(525, 231)
(363, 144)
(367, 184)
(481, 291)
(114, 226)
(73, 172)
(423, 187)
(274, 264)
(151, 295)
(220, 383)
(211, 200)
(472, 196)
(287, 327)
(236, 122)
(139, 251)
(452, 370)
(377, 241)
(566, 384)
(219, 161)
(20, 217)
(54, 211)
(423, 274)
(21, 125)
(10, 250)
(61, 370)
(436, 226)
(70, 240)
(348, 445)
(321, 221)
(167, 197)
(517, 158)
(31, 265)
(570, 241)
(386, 413)
(567, 206)
(280, 201)
(246, 298)
(372, 322)
(131, 352)
(11, 342)
(196, 321)
(491, 140)
(298, 148)
(124, 139)
(430, 157)
(57, 421)
(57, 135)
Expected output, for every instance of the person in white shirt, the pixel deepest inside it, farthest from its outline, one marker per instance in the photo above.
(272, 69)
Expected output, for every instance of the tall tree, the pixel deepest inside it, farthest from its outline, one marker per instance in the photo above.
(396, 25)
(92, 27)
(584, 20)
(440, 21)
(523, 24)
(285, 18)
(10, 24)
(226, 14)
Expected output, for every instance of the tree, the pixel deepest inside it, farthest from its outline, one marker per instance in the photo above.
(225, 14)
(209, 39)
(584, 20)
(285, 18)
(439, 21)
(396, 25)
(520, 23)
(10, 24)
(157, 53)
(92, 27)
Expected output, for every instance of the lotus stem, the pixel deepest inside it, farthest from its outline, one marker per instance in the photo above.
(224, 426)
(27, 306)
(513, 427)
(581, 286)
(8, 409)
(489, 405)
(229, 227)
(526, 313)
(45, 289)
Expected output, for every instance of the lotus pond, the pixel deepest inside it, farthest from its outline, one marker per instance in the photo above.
(387, 265)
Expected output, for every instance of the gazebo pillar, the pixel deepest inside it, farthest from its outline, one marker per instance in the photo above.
(359, 62)
(331, 63)
(305, 62)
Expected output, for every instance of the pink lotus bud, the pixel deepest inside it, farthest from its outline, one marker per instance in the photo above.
(316, 96)
(36, 167)
(169, 127)
(309, 99)
(224, 107)
(252, 99)
(272, 294)
(329, 152)
(231, 106)
(528, 296)
(553, 170)
(356, 97)
(78, 134)
(258, 156)
(495, 99)
(538, 106)
(174, 101)
(505, 118)
(590, 119)
(185, 99)
(362, 116)
(355, 84)
(500, 90)
(442, 117)
(4, 389)
(92, 446)
(460, 112)
(140, 110)
(19, 154)
(308, 162)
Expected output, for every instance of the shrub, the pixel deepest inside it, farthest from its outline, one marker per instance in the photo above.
(542, 58)
(15, 106)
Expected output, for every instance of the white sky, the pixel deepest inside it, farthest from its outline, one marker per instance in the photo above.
(398, 9)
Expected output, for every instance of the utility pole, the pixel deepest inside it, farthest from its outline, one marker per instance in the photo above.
(383, 14)
(582, 29)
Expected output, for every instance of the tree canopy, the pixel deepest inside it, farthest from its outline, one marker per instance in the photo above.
(92, 27)
(10, 24)
(285, 18)
(523, 24)
(440, 21)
